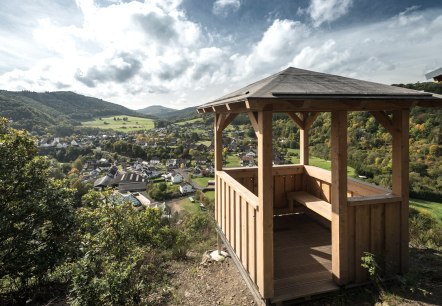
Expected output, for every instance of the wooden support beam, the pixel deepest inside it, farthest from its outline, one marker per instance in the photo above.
(253, 117)
(385, 121)
(304, 123)
(265, 267)
(400, 178)
(310, 119)
(227, 119)
(218, 144)
(303, 147)
(299, 122)
(339, 228)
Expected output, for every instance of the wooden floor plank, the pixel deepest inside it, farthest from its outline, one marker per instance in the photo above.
(302, 254)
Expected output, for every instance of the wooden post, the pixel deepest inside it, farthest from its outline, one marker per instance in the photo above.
(218, 146)
(339, 197)
(218, 143)
(265, 214)
(400, 178)
(303, 143)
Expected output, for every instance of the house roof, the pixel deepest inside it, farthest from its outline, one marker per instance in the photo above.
(434, 74)
(297, 86)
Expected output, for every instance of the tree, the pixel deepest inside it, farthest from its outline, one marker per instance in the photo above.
(37, 214)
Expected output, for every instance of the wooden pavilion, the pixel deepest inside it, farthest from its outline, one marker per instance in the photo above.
(330, 220)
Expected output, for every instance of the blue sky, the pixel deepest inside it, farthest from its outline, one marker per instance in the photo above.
(180, 53)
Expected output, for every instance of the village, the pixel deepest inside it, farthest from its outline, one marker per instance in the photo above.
(155, 167)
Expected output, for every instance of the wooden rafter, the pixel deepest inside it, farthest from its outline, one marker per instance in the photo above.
(308, 121)
(297, 120)
(253, 117)
(385, 121)
(223, 120)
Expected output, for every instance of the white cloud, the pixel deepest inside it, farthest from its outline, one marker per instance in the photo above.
(141, 53)
(224, 7)
(323, 58)
(275, 48)
(321, 11)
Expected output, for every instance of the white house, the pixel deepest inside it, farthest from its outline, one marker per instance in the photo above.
(154, 161)
(251, 154)
(176, 178)
(185, 188)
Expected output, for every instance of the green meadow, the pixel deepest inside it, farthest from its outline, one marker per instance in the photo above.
(132, 123)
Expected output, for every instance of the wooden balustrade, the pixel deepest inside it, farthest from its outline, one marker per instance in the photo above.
(372, 214)
(236, 213)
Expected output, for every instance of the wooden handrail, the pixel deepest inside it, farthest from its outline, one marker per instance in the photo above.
(353, 184)
(374, 199)
(240, 172)
(246, 194)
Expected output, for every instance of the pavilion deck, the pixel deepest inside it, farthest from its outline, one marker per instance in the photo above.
(302, 258)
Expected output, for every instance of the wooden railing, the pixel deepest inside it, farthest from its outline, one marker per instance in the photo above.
(236, 212)
(373, 213)
(286, 178)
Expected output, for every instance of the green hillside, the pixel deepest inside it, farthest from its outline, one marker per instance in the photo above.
(155, 110)
(41, 112)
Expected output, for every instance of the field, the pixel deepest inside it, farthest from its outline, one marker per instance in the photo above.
(232, 161)
(427, 207)
(132, 123)
(196, 120)
(202, 181)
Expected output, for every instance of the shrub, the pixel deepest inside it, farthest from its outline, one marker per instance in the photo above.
(425, 230)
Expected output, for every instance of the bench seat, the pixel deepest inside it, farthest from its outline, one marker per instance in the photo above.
(313, 203)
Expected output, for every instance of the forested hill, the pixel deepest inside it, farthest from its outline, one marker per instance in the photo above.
(155, 110)
(36, 111)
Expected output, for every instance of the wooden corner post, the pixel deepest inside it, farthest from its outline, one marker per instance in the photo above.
(339, 197)
(400, 178)
(265, 215)
(218, 148)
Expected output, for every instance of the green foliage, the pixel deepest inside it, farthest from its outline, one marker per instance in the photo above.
(425, 230)
(122, 252)
(36, 212)
(162, 191)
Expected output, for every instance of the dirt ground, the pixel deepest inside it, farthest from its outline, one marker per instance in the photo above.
(214, 283)
(219, 283)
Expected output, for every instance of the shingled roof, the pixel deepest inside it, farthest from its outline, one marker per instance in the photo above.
(293, 84)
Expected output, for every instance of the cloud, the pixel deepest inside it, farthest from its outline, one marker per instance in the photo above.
(321, 11)
(275, 48)
(140, 53)
(224, 7)
(118, 69)
(158, 27)
(323, 58)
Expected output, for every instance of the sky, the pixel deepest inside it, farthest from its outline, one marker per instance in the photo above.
(181, 53)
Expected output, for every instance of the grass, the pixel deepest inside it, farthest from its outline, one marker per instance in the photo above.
(132, 124)
(196, 120)
(189, 207)
(204, 142)
(427, 207)
(202, 181)
(210, 195)
(232, 161)
(321, 163)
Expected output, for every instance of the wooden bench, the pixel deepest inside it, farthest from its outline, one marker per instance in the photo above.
(313, 203)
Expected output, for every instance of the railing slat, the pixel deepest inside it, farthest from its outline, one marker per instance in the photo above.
(244, 236)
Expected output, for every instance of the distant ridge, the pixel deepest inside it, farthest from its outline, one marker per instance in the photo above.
(38, 112)
(155, 110)
(170, 114)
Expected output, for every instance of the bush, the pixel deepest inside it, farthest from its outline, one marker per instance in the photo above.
(425, 230)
